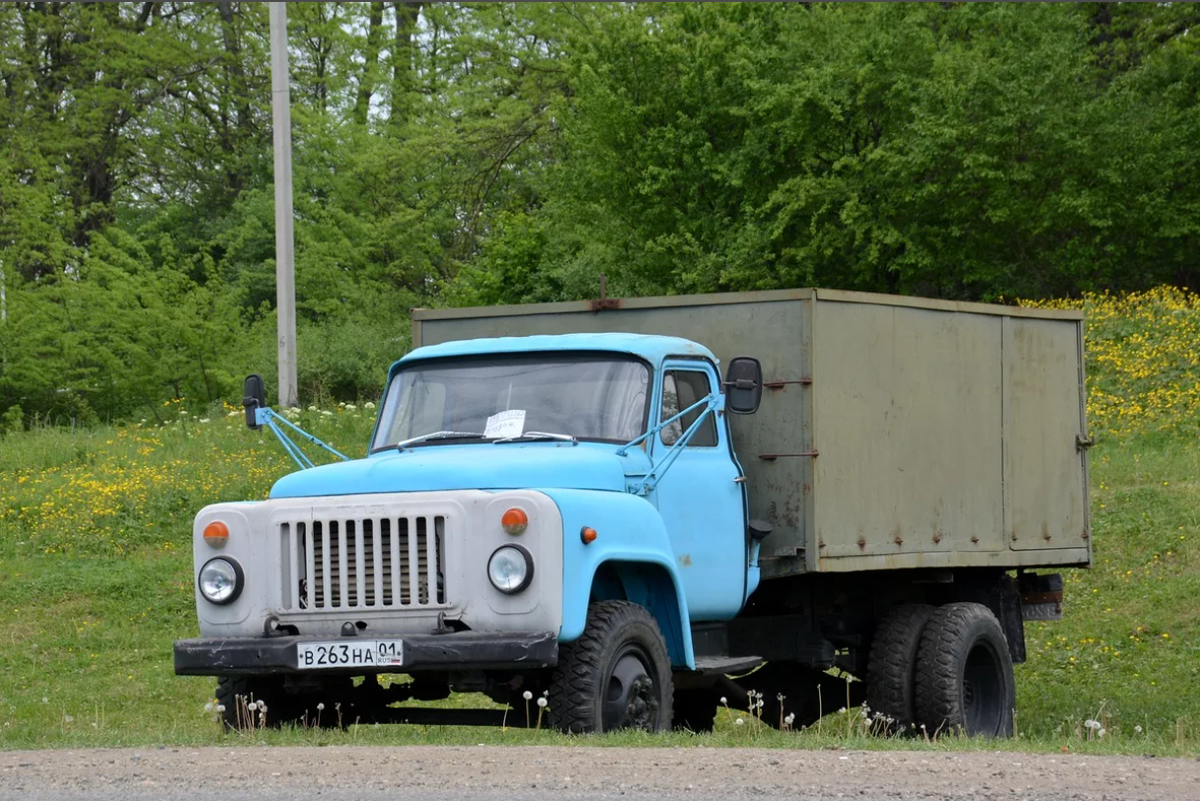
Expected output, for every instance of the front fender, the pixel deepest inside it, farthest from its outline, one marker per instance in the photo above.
(630, 531)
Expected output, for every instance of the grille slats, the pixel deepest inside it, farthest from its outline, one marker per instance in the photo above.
(377, 562)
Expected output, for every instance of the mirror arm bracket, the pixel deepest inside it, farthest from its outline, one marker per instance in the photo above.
(265, 416)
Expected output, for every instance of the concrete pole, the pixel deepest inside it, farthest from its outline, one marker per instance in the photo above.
(285, 265)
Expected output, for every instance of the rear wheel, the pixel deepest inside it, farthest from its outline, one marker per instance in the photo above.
(892, 668)
(964, 673)
(615, 676)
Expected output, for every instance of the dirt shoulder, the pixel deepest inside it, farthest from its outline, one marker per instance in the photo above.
(603, 771)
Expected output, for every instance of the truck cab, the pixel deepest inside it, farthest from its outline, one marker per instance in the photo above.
(526, 504)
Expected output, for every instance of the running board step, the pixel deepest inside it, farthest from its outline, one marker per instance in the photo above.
(721, 665)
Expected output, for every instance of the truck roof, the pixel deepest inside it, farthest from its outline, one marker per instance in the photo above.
(652, 347)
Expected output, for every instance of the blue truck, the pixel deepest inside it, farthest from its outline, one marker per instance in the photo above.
(635, 510)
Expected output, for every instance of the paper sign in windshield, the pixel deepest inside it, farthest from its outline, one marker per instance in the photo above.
(505, 424)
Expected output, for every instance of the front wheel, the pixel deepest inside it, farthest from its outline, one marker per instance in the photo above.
(615, 676)
(325, 706)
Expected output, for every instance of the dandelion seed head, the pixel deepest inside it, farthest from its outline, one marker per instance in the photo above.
(528, 696)
(541, 703)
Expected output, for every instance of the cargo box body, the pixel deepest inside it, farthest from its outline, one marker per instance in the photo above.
(894, 432)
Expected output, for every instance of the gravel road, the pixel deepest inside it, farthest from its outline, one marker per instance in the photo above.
(548, 774)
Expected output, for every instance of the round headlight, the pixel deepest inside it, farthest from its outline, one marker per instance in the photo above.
(221, 580)
(510, 569)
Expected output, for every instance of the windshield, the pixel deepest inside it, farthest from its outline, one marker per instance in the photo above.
(588, 397)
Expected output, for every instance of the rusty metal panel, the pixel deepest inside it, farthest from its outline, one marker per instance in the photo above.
(1045, 466)
(908, 415)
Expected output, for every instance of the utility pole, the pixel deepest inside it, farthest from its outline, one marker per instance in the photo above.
(285, 264)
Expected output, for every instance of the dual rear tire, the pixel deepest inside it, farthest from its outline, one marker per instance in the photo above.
(946, 668)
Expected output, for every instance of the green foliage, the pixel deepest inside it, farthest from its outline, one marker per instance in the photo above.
(457, 153)
(12, 421)
(965, 151)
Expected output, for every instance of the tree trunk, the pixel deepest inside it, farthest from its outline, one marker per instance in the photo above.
(366, 82)
(403, 59)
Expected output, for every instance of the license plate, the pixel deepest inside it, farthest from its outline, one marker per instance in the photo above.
(353, 653)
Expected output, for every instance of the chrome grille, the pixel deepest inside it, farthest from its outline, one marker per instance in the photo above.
(374, 563)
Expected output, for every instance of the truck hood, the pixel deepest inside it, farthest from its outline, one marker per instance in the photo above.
(475, 466)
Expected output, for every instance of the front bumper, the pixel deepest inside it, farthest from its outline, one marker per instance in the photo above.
(468, 650)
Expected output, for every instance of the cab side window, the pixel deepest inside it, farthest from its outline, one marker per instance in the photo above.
(681, 389)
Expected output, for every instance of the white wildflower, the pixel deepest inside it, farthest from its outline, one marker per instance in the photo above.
(350, 407)
(208, 707)
(724, 701)
(1101, 733)
(542, 703)
(1092, 724)
(203, 419)
(739, 722)
(368, 405)
(252, 706)
(220, 707)
(528, 696)
(790, 719)
(312, 408)
(1138, 729)
(320, 707)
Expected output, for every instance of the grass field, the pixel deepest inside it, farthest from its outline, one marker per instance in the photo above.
(95, 572)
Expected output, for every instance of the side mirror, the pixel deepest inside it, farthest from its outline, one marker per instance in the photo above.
(255, 397)
(743, 385)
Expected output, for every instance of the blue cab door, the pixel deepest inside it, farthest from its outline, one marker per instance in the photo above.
(700, 502)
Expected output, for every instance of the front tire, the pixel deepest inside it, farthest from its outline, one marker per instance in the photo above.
(965, 674)
(236, 693)
(617, 675)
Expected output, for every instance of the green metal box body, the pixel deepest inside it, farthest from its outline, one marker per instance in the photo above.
(894, 432)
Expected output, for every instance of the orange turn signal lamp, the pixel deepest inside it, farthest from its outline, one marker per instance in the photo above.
(588, 535)
(216, 534)
(515, 521)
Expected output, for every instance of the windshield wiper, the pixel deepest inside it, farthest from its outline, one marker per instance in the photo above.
(530, 435)
(439, 435)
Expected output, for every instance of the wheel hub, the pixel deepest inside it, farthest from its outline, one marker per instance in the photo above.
(631, 696)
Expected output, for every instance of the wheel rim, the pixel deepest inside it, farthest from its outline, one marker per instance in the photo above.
(983, 691)
(630, 693)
